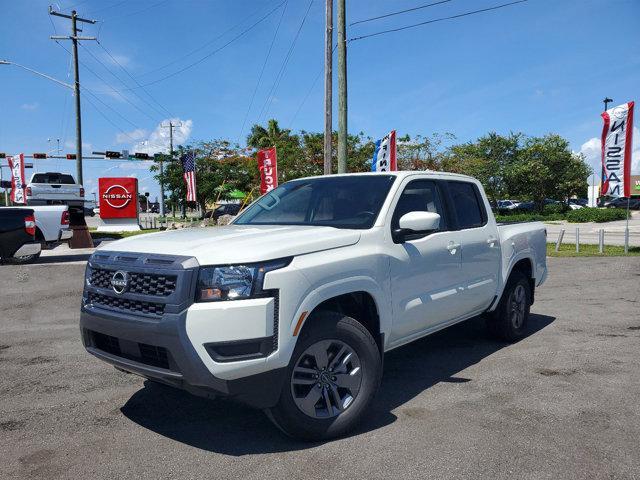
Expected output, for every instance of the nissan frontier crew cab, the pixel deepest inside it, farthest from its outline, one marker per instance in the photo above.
(291, 307)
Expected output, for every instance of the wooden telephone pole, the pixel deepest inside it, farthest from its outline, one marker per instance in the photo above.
(328, 87)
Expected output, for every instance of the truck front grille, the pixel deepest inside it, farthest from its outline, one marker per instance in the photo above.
(125, 304)
(141, 283)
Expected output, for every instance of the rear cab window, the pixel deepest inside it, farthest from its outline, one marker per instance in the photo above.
(467, 204)
(53, 178)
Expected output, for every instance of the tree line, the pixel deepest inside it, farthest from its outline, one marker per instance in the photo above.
(509, 166)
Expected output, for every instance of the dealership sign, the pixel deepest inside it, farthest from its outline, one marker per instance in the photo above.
(118, 197)
(616, 150)
(268, 166)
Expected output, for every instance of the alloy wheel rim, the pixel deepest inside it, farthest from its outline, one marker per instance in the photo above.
(326, 379)
(517, 306)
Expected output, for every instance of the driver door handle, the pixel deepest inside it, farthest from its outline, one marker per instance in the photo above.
(453, 247)
(491, 241)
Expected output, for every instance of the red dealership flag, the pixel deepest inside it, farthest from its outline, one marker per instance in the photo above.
(18, 184)
(616, 150)
(268, 166)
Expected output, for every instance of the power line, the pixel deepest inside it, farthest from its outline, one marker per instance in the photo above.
(157, 4)
(111, 87)
(201, 47)
(280, 74)
(255, 90)
(398, 13)
(241, 34)
(306, 97)
(122, 81)
(436, 20)
(133, 78)
(108, 119)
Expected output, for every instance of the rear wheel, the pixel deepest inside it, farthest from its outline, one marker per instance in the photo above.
(509, 320)
(25, 259)
(332, 378)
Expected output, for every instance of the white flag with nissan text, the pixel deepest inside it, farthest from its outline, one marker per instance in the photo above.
(616, 150)
(18, 183)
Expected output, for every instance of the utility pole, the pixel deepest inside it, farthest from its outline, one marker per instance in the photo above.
(342, 88)
(171, 126)
(328, 87)
(76, 85)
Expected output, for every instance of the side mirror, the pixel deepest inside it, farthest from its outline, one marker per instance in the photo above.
(416, 224)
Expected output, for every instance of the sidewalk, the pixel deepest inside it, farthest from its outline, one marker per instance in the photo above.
(613, 231)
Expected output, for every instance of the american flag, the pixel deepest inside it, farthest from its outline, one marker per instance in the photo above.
(189, 168)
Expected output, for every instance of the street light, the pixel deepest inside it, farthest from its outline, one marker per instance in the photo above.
(6, 62)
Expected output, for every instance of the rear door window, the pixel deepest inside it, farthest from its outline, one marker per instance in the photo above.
(467, 204)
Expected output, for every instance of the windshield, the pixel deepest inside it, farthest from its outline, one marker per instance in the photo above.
(340, 202)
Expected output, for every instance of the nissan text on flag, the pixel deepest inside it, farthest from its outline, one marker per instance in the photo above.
(292, 306)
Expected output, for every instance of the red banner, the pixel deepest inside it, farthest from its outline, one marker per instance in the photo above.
(268, 166)
(118, 197)
(18, 183)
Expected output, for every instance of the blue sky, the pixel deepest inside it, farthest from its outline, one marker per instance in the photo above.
(538, 67)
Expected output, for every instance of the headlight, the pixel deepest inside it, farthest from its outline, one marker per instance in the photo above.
(234, 282)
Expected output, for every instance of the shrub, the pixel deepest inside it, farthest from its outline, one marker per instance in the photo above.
(529, 217)
(555, 208)
(597, 215)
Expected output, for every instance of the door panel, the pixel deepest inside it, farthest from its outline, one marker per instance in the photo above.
(425, 272)
(480, 246)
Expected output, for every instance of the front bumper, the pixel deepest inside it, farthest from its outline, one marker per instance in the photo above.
(161, 351)
(28, 249)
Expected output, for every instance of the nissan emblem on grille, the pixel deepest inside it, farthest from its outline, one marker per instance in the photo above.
(120, 282)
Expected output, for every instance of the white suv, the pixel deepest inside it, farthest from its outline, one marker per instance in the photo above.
(291, 308)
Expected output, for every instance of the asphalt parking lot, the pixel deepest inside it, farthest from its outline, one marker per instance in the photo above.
(562, 403)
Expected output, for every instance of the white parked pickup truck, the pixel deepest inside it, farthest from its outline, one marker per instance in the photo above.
(51, 228)
(52, 188)
(292, 306)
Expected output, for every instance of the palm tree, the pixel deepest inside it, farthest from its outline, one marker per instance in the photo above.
(261, 137)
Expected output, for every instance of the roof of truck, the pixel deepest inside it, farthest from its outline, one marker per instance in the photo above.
(401, 174)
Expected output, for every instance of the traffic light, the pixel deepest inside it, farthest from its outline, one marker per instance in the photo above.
(40, 155)
(109, 154)
(5, 184)
(3, 155)
(71, 156)
(141, 156)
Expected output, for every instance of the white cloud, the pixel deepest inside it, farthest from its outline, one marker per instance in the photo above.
(158, 140)
(71, 145)
(592, 151)
(116, 58)
(135, 165)
(29, 106)
(133, 135)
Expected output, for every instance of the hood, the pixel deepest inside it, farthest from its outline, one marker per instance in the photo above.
(238, 243)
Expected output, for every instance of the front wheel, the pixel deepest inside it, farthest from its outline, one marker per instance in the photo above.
(332, 378)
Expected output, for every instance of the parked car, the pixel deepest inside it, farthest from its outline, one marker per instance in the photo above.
(292, 306)
(224, 209)
(52, 224)
(54, 188)
(507, 204)
(18, 235)
(583, 202)
(621, 202)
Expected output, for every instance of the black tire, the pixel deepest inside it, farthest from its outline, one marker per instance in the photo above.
(505, 323)
(329, 327)
(25, 259)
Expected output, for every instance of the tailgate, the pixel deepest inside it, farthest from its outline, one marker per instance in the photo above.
(55, 191)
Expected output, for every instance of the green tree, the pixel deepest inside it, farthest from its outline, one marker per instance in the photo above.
(288, 148)
(422, 152)
(547, 168)
(486, 159)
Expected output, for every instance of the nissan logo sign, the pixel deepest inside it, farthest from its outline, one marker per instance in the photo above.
(120, 282)
(117, 196)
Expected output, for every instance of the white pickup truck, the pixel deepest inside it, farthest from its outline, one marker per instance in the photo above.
(51, 228)
(53, 188)
(292, 306)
